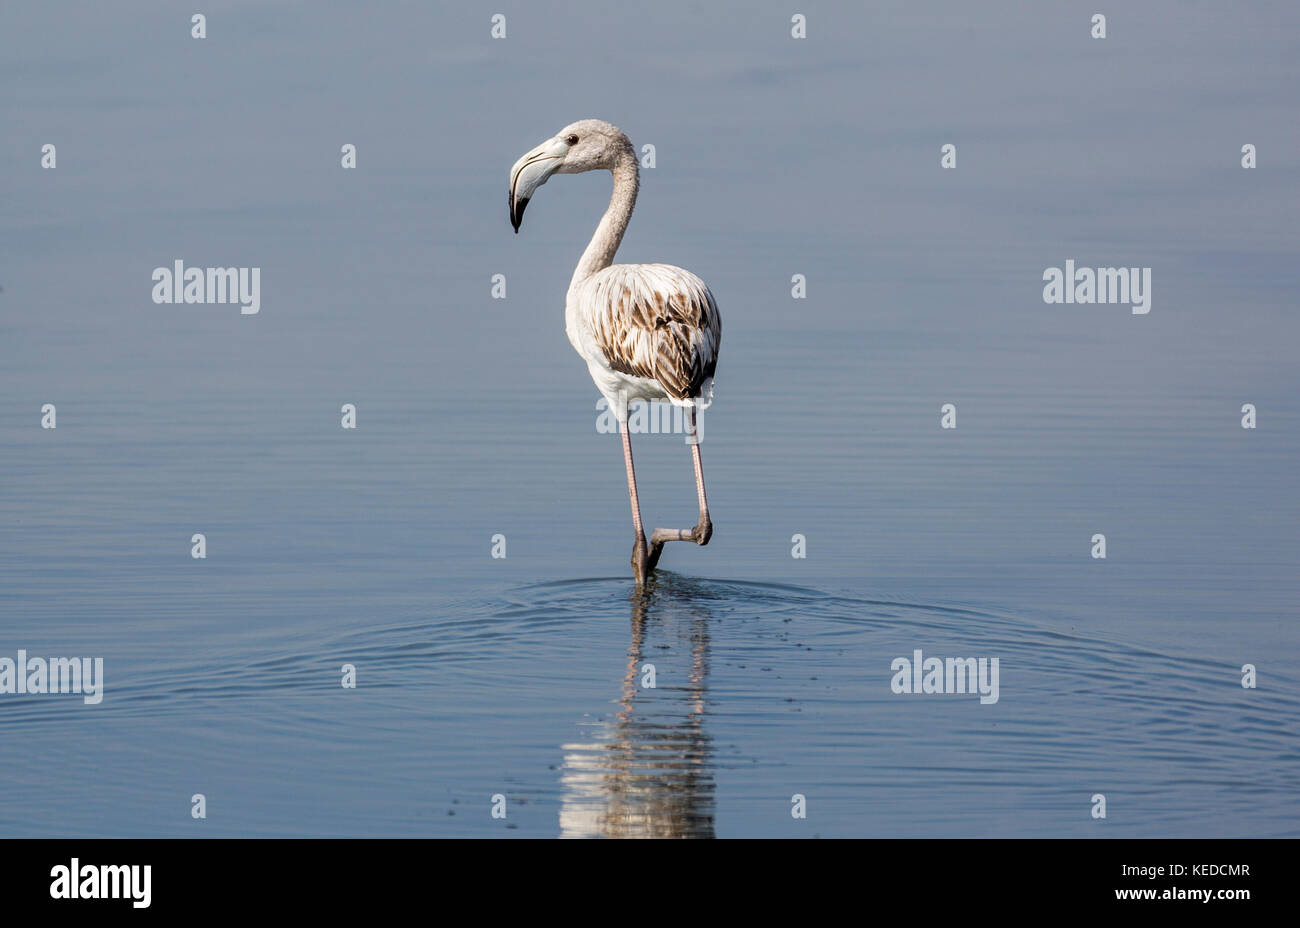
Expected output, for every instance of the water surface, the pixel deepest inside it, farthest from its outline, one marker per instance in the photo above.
(522, 676)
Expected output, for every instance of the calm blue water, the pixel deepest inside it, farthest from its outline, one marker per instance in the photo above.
(522, 676)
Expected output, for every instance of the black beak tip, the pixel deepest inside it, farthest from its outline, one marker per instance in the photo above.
(517, 212)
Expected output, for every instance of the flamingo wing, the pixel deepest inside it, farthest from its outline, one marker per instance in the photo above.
(655, 321)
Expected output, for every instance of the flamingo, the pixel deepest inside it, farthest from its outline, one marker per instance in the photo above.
(647, 331)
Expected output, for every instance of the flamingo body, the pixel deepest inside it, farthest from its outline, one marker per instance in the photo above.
(647, 331)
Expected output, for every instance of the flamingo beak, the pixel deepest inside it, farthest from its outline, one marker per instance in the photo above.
(530, 172)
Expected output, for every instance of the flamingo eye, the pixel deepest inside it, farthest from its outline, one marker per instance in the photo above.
(572, 140)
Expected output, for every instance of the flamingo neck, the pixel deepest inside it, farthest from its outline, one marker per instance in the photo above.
(609, 233)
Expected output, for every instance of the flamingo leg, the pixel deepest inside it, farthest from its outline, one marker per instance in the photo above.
(641, 566)
(703, 530)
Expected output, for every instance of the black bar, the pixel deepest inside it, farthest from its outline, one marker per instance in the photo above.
(335, 877)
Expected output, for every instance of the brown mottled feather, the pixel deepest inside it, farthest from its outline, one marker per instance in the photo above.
(658, 322)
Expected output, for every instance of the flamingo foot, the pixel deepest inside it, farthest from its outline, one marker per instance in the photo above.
(700, 535)
(642, 564)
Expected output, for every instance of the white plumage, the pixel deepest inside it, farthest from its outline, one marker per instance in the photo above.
(647, 332)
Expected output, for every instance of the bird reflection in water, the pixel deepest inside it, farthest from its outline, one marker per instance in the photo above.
(648, 771)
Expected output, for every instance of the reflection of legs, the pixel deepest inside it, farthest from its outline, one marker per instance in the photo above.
(703, 530)
(640, 561)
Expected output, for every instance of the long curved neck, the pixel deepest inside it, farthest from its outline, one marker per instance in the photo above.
(604, 243)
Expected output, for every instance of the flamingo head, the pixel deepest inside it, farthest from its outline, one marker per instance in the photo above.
(586, 145)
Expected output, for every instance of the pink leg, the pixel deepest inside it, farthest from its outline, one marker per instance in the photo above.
(703, 530)
(640, 560)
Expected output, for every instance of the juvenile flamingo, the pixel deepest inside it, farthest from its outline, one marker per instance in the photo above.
(647, 331)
